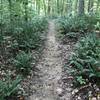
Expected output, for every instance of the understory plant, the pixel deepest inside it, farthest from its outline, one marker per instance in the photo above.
(17, 44)
(76, 24)
(22, 62)
(9, 86)
(29, 35)
(85, 60)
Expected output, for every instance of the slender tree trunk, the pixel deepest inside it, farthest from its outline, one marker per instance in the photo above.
(76, 6)
(69, 7)
(58, 7)
(38, 6)
(1, 15)
(44, 6)
(98, 4)
(81, 8)
(3, 51)
(11, 16)
(90, 6)
(49, 7)
(26, 10)
(63, 7)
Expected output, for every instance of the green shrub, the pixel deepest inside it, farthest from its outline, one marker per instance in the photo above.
(28, 40)
(72, 35)
(80, 80)
(8, 87)
(39, 24)
(77, 24)
(28, 35)
(22, 62)
(86, 58)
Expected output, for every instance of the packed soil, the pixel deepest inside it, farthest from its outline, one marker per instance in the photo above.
(51, 81)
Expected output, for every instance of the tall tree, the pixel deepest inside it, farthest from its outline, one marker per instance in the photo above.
(75, 6)
(49, 7)
(58, 6)
(69, 6)
(44, 4)
(98, 6)
(90, 6)
(1, 17)
(11, 14)
(81, 7)
(26, 10)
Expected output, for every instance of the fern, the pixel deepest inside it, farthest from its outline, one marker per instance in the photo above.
(9, 86)
(86, 58)
(22, 62)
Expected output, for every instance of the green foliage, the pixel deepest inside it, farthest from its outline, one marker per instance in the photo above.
(28, 36)
(77, 24)
(72, 35)
(39, 23)
(19, 22)
(22, 62)
(80, 80)
(86, 58)
(8, 87)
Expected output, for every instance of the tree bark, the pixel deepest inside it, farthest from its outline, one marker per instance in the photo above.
(76, 6)
(44, 6)
(11, 15)
(90, 6)
(1, 13)
(81, 8)
(26, 10)
(69, 7)
(49, 7)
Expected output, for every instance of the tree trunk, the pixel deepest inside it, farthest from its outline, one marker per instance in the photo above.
(81, 8)
(75, 7)
(58, 6)
(49, 7)
(90, 6)
(44, 6)
(11, 15)
(69, 7)
(98, 4)
(1, 13)
(26, 10)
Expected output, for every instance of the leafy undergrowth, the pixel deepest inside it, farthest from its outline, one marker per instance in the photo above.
(19, 52)
(84, 64)
(74, 26)
(78, 24)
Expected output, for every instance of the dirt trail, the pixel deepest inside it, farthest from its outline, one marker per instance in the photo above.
(47, 87)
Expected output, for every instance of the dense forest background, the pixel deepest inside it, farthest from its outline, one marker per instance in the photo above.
(14, 12)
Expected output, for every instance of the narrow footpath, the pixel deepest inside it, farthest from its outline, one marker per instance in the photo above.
(47, 85)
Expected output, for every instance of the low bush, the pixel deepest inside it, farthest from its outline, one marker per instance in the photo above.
(8, 87)
(86, 59)
(16, 44)
(28, 36)
(22, 62)
(77, 24)
(39, 24)
(73, 35)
